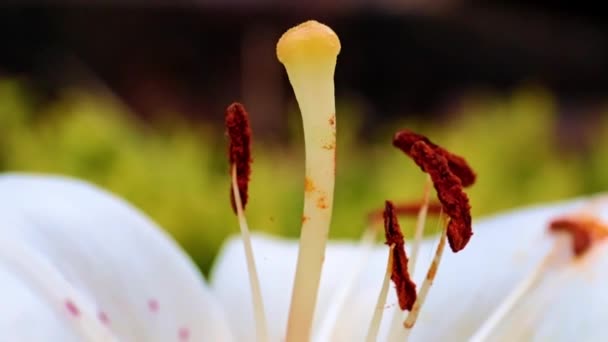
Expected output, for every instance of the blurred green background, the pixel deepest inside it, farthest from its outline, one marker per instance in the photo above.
(177, 171)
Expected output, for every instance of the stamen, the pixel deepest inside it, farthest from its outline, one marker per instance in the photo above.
(399, 316)
(514, 297)
(239, 132)
(445, 170)
(406, 289)
(309, 52)
(239, 149)
(374, 326)
(449, 190)
(405, 139)
(410, 321)
(584, 229)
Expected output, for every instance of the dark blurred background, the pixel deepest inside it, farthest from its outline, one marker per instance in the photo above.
(193, 57)
(130, 95)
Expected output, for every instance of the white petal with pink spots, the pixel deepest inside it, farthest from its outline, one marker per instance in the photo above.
(77, 262)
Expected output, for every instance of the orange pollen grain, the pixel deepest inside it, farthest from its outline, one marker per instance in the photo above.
(309, 185)
(322, 202)
(329, 146)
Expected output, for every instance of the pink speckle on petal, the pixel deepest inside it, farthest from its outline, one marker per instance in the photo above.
(184, 334)
(153, 305)
(103, 317)
(72, 308)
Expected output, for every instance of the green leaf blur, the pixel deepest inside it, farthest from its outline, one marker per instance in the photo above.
(178, 174)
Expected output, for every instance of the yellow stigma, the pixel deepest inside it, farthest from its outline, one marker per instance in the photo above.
(308, 41)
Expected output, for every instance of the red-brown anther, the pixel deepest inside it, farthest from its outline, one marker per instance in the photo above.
(584, 230)
(239, 149)
(405, 139)
(406, 289)
(407, 209)
(449, 190)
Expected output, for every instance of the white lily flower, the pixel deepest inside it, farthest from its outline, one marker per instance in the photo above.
(568, 302)
(64, 241)
(79, 264)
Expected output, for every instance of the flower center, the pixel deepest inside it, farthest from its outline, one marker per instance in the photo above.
(309, 52)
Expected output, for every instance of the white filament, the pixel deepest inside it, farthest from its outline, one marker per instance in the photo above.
(254, 282)
(374, 326)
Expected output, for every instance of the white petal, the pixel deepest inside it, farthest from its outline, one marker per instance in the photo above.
(275, 260)
(116, 259)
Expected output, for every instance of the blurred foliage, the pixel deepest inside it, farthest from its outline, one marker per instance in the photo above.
(178, 173)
